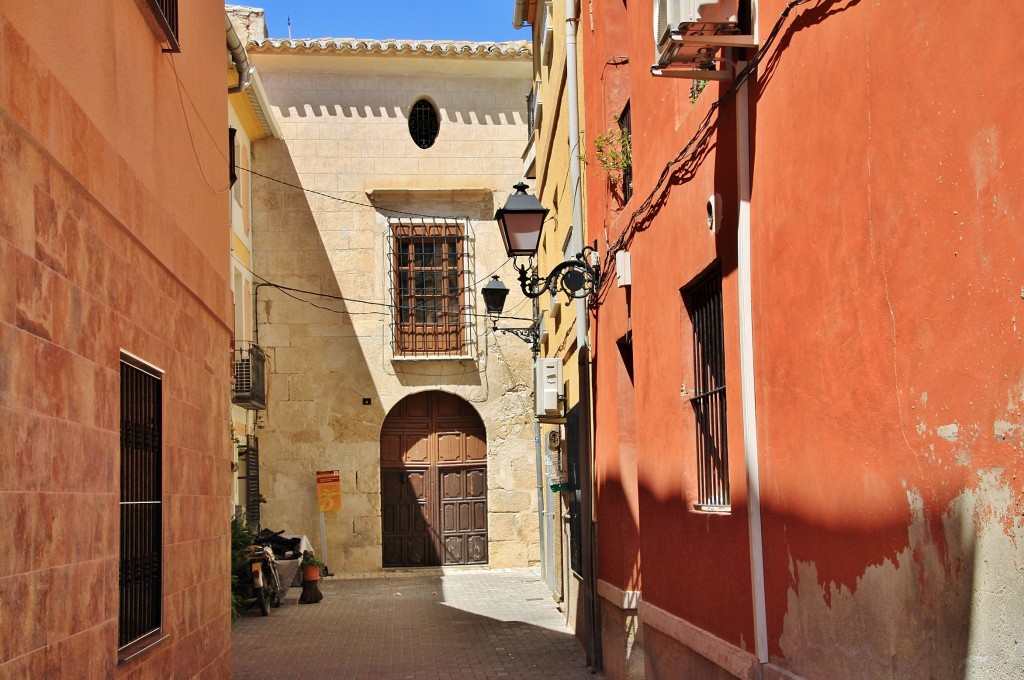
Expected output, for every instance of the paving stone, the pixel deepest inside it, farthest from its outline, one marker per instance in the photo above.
(462, 625)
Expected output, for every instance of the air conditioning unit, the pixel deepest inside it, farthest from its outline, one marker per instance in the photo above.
(548, 386)
(678, 22)
(249, 372)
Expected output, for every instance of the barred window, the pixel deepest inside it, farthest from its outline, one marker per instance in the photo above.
(430, 276)
(141, 546)
(704, 304)
(424, 125)
(165, 13)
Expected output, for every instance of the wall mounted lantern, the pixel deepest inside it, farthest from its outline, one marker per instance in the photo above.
(494, 294)
(521, 221)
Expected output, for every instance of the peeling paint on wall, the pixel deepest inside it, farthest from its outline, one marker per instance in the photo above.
(946, 606)
(948, 432)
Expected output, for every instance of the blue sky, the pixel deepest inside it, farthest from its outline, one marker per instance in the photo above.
(480, 20)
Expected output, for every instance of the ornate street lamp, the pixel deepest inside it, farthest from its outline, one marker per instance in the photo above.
(521, 221)
(494, 294)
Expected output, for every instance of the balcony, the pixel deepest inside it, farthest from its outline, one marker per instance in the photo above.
(248, 364)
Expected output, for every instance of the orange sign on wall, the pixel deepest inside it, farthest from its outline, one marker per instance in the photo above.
(328, 490)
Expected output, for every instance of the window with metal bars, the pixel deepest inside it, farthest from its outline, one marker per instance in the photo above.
(704, 304)
(165, 12)
(141, 548)
(424, 124)
(430, 275)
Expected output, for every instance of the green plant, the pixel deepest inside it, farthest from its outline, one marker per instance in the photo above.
(241, 536)
(696, 87)
(613, 151)
(311, 560)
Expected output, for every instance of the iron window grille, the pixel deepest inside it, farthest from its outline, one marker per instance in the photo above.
(248, 368)
(529, 114)
(165, 12)
(251, 453)
(704, 304)
(140, 588)
(431, 289)
(575, 509)
(424, 124)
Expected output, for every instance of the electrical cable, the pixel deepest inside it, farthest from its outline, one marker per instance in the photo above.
(349, 201)
(191, 137)
(703, 131)
(288, 290)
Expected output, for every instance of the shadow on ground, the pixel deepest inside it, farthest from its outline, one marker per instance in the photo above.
(481, 624)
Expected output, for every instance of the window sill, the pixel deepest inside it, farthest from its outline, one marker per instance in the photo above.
(412, 358)
(707, 509)
(140, 646)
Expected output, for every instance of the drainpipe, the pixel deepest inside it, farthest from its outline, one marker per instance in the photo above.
(747, 371)
(588, 541)
(239, 59)
(519, 14)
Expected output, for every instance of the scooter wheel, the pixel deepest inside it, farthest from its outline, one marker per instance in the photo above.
(261, 599)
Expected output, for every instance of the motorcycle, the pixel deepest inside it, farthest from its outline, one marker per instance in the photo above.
(266, 585)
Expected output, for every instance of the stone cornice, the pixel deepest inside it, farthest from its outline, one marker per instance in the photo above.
(398, 48)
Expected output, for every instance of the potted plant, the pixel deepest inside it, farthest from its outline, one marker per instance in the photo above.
(312, 566)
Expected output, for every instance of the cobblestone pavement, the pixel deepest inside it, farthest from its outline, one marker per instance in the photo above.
(473, 625)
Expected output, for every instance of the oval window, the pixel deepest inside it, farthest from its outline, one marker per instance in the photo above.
(424, 124)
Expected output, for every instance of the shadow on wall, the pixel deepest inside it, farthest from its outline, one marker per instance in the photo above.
(885, 601)
(318, 373)
(386, 108)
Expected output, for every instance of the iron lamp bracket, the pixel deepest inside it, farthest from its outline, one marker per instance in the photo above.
(577, 278)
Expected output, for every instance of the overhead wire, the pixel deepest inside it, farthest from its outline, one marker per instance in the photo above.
(390, 307)
(703, 129)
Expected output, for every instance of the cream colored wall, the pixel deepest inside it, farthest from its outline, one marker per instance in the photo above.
(241, 263)
(554, 188)
(343, 121)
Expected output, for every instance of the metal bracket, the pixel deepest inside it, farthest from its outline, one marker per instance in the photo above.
(530, 335)
(714, 40)
(577, 278)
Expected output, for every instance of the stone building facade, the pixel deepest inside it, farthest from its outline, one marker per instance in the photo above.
(373, 233)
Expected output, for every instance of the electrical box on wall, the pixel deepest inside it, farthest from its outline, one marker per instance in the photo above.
(547, 386)
(623, 268)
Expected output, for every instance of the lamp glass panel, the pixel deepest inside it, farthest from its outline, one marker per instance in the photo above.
(523, 230)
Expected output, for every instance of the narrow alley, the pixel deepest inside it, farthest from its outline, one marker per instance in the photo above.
(478, 624)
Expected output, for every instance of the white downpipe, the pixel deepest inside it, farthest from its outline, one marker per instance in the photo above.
(572, 96)
(747, 371)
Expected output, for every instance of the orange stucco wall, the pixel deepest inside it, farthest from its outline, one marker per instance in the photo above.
(887, 293)
(111, 239)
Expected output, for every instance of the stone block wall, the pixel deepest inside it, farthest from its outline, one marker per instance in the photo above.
(92, 263)
(347, 145)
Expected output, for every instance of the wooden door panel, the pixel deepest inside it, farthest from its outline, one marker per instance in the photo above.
(449, 447)
(433, 504)
(416, 448)
(451, 484)
(405, 533)
(476, 483)
(463, 516)
(476, 549)
(390, 449)
(454, 550)
(476, 447)
(480, 516)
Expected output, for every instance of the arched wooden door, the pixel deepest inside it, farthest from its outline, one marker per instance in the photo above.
(433, 460)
